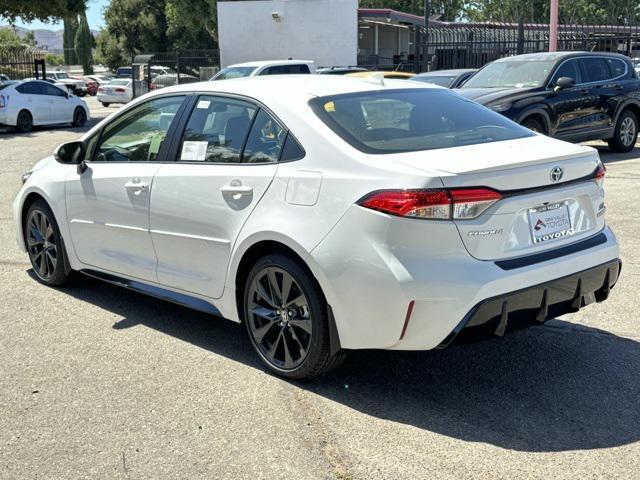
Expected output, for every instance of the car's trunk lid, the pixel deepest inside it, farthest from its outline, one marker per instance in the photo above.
(536, 212)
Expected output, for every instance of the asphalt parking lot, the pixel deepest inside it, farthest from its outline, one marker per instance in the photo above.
(98, 382)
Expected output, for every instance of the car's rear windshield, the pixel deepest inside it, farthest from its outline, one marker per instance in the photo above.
(119, 82)
(408, 120)
(233, 72)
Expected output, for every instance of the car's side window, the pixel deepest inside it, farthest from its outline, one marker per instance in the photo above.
(137, 135)
(285, 69)
(594, 69)
(217, 130)
(30, 88)
(291, 150)
(53, 91)
(616, 66)
(265, 140)
(570, 69)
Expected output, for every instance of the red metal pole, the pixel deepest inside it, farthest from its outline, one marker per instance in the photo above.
(553, 26)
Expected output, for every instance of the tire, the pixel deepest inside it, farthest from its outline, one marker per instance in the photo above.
(295, 342)
(79, 117)
(625, 134)
(24, 122)
(104, 104)
(534, 125)
(45, 246)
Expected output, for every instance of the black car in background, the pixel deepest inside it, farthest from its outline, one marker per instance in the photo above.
(573, 96)
(446, 78)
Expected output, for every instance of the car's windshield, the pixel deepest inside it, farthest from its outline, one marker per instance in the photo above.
(407, 120)
(441, 80)
(62, 75)
(233, 72)
(511, 73)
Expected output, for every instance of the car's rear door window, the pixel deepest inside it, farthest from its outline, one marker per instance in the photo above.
(616, 66)
(594, 69)
(217, 130)
(406, 120)
(265, 140)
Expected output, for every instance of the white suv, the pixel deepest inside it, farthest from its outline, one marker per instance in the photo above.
(327, 214)
(268, 67)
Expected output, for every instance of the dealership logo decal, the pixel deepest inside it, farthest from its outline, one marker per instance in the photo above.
(556, 174)
(539, 224)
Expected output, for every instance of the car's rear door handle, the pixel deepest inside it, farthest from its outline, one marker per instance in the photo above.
(236, 190)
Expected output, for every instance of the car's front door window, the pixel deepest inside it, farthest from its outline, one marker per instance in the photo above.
(138, 135)
(570, 69)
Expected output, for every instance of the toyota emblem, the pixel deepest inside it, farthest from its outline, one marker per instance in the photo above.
(556, 174)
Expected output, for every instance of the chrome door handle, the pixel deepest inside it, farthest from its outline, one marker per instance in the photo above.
(236, 190)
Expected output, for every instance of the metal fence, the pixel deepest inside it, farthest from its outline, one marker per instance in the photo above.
(18, 63)
(473, 45)
(164, 69)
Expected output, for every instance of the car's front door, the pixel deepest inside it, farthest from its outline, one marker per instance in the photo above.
(108, 203)
(61, 107)
(571, 106)
(225, 161)
(35, 101)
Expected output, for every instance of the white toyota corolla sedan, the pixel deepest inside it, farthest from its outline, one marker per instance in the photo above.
(326, 214)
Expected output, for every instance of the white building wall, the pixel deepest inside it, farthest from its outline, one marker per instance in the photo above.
(325, 31)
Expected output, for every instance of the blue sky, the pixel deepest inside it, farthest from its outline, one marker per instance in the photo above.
(94, 16)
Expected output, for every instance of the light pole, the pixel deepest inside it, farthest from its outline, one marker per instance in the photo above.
(553, 26)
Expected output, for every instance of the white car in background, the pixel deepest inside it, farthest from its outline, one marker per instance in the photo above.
(26, 104)
(118, 90)
(326, 214)
(267, 67)
(75, 85)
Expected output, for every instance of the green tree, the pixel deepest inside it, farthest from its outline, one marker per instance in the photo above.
(68, 39)
(9, 38)
(140, 25)
(49, 10)
(29, 39)
(83, 45)
(53, 59)
(109, 51)
(192, 23)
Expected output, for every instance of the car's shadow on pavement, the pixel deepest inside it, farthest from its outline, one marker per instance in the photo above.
(556, 387)
(611, 157)
(11, 132)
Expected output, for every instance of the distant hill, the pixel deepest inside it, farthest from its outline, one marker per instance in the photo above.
(46, 39)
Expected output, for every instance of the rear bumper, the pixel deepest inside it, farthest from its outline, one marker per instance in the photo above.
(534, 305)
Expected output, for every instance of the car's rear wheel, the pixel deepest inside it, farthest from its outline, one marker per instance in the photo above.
(79, 117)
(45, 246)
(24, 122)
(105, 104)
(286, 317)
(534, 125)
(626, 133)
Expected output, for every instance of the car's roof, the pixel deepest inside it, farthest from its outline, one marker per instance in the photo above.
(269, 63)
(287, 86)
(556, 56)
(446, 73)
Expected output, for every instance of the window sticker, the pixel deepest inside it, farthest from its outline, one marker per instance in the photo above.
(330, 107)
(194, 151)
(203, 104)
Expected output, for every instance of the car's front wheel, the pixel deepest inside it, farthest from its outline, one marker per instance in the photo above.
(45, 245)
(534, 125)
(625, 134)
(79, 117)
(287, 320)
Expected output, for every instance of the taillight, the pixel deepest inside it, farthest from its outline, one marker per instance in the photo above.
(119, 90)
(153, 86)
(599, 175)
(471, 202)
(435, 204)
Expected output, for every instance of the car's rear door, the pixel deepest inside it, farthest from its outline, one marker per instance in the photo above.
(600, 90)
(225, 160)
(108, 203)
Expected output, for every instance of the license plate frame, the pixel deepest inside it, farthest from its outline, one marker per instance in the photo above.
(550, 222)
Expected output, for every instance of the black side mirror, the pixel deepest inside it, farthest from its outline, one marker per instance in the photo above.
(71, 153)
(563, 82)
